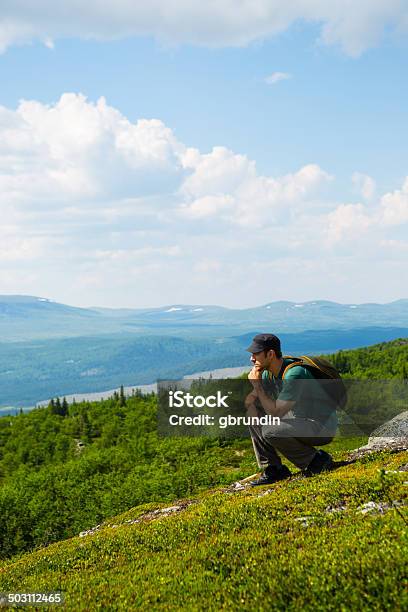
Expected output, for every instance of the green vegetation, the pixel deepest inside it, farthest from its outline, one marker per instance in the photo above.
(61, 474)
(246, 550)
(376, 381)
(66, 468)
(381, 361)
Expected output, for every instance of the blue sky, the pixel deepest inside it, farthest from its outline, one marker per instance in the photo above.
(212, 199)
(337, 111)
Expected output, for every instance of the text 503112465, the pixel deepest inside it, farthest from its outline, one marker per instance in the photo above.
(33, 598)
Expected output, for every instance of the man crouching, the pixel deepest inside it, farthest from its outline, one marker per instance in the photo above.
(307, 413)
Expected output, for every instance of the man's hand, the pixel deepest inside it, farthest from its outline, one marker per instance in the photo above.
(255, 377)
(255, 373)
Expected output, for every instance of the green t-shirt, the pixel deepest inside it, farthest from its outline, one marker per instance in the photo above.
(300, 386)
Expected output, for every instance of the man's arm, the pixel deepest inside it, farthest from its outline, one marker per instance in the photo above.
(273, 407)
(250, 404)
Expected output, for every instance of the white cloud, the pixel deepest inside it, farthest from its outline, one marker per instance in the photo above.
(347, 223)
(217, 172)
(364, 184)
(363, 227)
(105, 210)
(16, 248)
(400, 247)
(394, 206)
(224, 185)
(78, 150)
(132, 255)
(207, 267)
(353, 25)
(209, 206)
(276, 77)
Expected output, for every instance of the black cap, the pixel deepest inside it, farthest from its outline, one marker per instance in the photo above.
(264, 342)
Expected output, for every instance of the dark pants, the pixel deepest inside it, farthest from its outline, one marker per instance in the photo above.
(294, 438)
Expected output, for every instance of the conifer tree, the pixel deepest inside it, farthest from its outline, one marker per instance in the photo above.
(122, 398)
(86, 428)
(52, 406)
(58, 407)
(64, 407)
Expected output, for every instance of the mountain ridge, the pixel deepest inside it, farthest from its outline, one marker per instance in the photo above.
(30, 317)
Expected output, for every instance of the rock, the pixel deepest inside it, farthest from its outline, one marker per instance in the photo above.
(332, 509)
(88, 532)
(265, 493)
(369, 507)
(305, 521)
(392, 435)
(237, 486)
(171, 509)
(381, 507)
(153, 514)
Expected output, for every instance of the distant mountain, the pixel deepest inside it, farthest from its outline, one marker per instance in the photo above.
(49, 349)
(25, 318)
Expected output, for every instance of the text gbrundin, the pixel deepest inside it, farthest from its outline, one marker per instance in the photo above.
(179, 399)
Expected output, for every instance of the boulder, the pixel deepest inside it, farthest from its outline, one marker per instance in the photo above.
(392, 435)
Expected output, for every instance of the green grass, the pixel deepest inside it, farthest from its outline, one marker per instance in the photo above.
(241, 550)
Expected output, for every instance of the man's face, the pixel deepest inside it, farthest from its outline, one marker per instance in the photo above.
(260, 359)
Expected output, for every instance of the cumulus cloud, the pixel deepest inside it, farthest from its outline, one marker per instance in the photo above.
(368, 225)
(75, 155)
(227, 186)
(218, 171)
(354, 26)
(394, 206)
(364, 184)
(347, 223)
(92, 202)
(209, 206)
(78, 150)
(276, 77)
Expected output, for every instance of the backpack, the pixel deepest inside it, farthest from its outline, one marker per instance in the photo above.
(322, 369)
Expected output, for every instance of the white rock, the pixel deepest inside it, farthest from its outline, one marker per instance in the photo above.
(368, 507)
(392, 434)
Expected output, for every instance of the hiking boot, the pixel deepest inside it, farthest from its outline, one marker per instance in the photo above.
(321, 462)
(272, 474)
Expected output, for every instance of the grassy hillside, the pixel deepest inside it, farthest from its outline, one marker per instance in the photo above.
(302, 544)
(61, 474)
